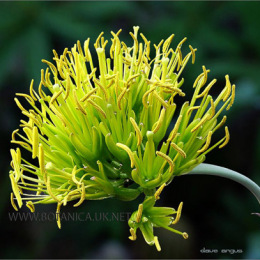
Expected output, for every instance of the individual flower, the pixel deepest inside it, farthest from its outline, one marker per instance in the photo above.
(103, 131)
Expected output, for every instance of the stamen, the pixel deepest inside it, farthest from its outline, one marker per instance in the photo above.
(232, 97)
(97, 107)
(41, 93)
(185, 235)
(12, 201)
(73, 175)
(158, 124)
(54, 70)
(202, 121)
(178, 149)
(192, 108)
(19, 104)
(146, 95)
(31, 91)
(228, 88)
(133, 235)
(193, 53)
(180, 43)
(48, 185)
(88, 95)
(157, 245)
(129, 152)
(41, 162)
(55, 96)
(167, 43)
(222, 122)
(97, 44)
(79, 48)
(67, 88)
(35, 144)
(82, 198)
(77, 102)
(30, 205)
(206, 146)
(199, 77)
(159, 191)
(16, 190)
(13, 134)
(168, 159)
(160, 99)
(205, 75)
(102, 88)
(42, 77)
(86, 45)
(227, 138)
(139, 213)
(120, 97)
(213, 110)
(137, 130)
(207, 89)
(131, 78)
(175, 129)
(158, 46)
(179, 56)
(178, 216)
(58, 215)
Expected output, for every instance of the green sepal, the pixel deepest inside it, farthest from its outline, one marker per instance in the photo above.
(160, 211)
(147, 231)
(118, 153)
(126, 194)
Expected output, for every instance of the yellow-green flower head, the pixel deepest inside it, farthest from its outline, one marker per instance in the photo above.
(100, 132)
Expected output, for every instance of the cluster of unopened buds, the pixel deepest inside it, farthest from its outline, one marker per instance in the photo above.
(102, 132)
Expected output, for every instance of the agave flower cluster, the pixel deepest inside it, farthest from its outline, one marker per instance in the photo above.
(103, 132)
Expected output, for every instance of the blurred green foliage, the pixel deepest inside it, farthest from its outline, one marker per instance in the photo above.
(216, 211)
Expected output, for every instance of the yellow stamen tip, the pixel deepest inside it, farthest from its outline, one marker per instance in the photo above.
(185, 235)
(157, 245)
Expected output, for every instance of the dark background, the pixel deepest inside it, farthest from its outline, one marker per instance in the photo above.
(217, 212)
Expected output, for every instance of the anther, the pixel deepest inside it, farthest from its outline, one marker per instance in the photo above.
(133, 235)
(207, 89)
(168, 159)
(129, 152)
(202, 121)
(178, 149)
(228, 88)
(175, 129)
(192, 108)
(158, 124)
(185, 235)
(31, 91)
(157, 245)
(178, 215)
(30, 205)
(159, 191)
(77, 102)
(139, 213)
(58, 215)
(55, 96)
(12, 201)
(82, 198)
(48, 186)
(35, 138)
(206, 146)
(138, 131)
(232, 97)
(227, 138)
(193, 53)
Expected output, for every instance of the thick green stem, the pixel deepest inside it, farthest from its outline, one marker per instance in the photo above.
(210, 169)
